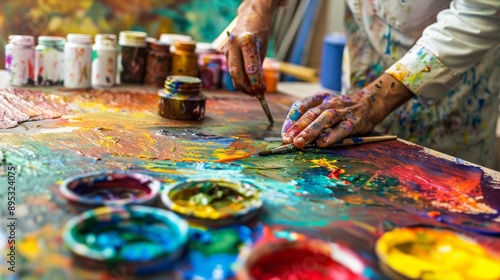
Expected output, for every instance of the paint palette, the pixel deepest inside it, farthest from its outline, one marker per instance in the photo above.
(213, 201)
(301, 259)
(111, 188)
(141, 238)
(428, 253)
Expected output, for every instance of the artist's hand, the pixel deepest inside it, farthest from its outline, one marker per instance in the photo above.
(327, 118)
(247, 45)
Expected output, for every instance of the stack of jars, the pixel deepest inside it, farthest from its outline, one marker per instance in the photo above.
(74, 62)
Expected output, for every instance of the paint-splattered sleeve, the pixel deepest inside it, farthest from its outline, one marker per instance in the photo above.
(460, 38)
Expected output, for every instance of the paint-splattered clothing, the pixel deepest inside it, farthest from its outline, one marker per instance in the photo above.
(448, 54)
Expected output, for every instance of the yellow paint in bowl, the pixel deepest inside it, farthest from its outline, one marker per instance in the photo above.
(428, 253)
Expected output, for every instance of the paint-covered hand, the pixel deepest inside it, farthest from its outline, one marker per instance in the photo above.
(329, 117)
(247, 45)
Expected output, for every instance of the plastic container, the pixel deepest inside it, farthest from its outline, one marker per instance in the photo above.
(19, 60)
(271, 74)
(158, 66)
(49, 61)
(185, 59)
(104, 55)
(170, 39)
(210, 70)
(331, 61)
(77, 61)
(132, 56)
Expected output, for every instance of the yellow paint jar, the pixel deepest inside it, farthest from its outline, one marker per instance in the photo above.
(428, 253)
(185, 59)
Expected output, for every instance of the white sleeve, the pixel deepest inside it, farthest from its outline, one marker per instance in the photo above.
(458, 40)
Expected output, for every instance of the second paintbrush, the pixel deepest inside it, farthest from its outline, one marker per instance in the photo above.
(343, 142)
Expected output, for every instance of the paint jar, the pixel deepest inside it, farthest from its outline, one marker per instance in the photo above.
(182, 99)
(19, 60)
(433, 253)
(300, 259)
(331, 61)
(110, 188)
(132, 56)
(271, 74)
(213, 201)
(205, 48)
(158, 63)
(210, 70)
(170, 39)
(49, 61)
(104, 55)
(185, 59)
(136, 240)
(77, 61)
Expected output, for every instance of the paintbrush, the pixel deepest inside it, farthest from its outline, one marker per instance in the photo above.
(219, 44)
(344, 142)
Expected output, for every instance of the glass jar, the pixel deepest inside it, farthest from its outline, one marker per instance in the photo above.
(77, 61)
(158, 63)
(49, 61)
(182, 99)
(132, 56)
(104, 54)
(271, 74)
(19, 60)
(210, 70)
(185, 59)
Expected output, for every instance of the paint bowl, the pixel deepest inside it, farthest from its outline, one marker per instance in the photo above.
(302, 259)
(111, 188)
(213, 202)
(429, 253)
(140, 239)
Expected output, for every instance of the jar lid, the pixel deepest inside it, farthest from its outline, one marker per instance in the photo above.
(106, 38)
(79, 38)
(180, 84)
(271, 64)
(171, 38)
(159, 46)
(21, 40)
(51, 40)
(204, 47)
(136, 38)
(185, 46)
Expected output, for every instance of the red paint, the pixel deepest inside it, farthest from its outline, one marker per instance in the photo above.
(299, 264)
(335, 173)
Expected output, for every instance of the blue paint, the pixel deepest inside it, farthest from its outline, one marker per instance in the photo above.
(295, 115)
(388, 38)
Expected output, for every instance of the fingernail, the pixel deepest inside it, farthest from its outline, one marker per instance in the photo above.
(300, 142)
(287, 140)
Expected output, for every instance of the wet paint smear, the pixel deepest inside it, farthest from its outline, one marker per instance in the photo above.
(350, 194)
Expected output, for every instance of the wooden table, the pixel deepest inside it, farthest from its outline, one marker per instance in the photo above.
(348, 196)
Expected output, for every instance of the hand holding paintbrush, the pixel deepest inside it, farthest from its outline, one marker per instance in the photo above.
(245, 43)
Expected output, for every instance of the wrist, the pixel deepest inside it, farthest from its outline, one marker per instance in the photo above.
(257, 10)
(386, 94)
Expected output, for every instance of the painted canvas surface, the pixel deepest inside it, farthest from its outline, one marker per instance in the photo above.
(201, 19)
(349, 195)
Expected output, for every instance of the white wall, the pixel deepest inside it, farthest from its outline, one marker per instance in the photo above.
(330, 19)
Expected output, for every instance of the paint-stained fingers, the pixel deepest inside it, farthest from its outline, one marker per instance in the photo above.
(301, 124)
(250, 49)
(337, 133)
(325, 120)
(235, 66)
(301, 107)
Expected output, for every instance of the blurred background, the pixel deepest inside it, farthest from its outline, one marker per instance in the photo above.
(201, 19)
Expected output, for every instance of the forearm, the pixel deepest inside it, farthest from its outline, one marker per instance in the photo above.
(251, 10)
(385, 94)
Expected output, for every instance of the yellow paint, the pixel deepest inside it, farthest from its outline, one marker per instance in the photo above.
(425, 253)
(29, 247)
